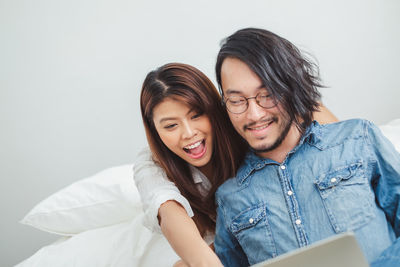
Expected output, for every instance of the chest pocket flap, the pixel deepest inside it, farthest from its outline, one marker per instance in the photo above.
(248, 218)
(339, 175)
(347, 197)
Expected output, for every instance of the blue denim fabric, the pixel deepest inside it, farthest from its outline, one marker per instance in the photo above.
(340, 177)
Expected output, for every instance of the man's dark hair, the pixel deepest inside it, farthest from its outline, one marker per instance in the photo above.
(292, 79)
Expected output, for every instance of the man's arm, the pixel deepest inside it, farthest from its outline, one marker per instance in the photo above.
(387, 190)
(390, 257)
(226, 246)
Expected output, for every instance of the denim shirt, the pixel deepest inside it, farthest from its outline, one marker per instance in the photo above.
(341, 177)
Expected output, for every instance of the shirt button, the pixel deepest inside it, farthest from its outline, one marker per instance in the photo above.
(283, 167)
(333, 180)
(298, 221)
(289, 193)
(251, 220)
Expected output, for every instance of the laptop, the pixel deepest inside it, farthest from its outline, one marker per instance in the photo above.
(339, 250)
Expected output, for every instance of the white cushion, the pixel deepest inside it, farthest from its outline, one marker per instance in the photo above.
(106, 198)
(127, 244)
(392, 131)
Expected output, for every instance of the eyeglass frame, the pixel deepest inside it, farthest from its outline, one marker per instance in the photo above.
(225, 99)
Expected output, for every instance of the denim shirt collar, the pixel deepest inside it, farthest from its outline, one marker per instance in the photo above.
(253, 162)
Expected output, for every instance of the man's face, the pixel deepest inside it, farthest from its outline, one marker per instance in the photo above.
(264, 129)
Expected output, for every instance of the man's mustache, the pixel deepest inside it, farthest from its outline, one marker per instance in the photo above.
(251, 124)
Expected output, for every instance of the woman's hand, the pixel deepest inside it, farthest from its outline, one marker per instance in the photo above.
(323, 115)
(204, 263)
(180, 263)
(206, 258)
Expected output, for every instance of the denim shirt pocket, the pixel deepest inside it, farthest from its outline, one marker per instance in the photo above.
(347, 197)
(252, 230)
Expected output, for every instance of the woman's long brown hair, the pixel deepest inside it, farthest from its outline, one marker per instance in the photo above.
(187, 84)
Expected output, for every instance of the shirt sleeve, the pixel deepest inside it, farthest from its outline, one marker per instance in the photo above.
(226, 246)
(155, 188)
(386, 184)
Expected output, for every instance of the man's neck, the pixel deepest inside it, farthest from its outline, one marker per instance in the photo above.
(279, 154)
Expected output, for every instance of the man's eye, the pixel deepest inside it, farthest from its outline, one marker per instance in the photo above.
(265, 96)
(237, 101)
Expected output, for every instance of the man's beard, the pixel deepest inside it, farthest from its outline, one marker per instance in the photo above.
(286, 128)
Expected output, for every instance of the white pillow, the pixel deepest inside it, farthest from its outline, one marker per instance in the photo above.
(392, 131)
(127, 244)
(109, 197)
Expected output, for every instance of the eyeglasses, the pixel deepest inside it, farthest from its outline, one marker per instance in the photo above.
(239, 104)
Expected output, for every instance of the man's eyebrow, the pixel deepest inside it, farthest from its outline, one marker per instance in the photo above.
(233, 91)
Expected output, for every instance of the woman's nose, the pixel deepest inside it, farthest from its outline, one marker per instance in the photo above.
(188, 131)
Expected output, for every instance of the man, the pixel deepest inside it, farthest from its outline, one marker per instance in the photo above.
(300, 182)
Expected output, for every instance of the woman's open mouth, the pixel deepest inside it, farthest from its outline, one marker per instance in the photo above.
(196, 150)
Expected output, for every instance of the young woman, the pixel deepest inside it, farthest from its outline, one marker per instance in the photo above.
(194, 149)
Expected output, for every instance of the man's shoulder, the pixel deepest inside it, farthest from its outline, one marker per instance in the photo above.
(338, 132)
(228, 187)
(351, 126)
(237, 182)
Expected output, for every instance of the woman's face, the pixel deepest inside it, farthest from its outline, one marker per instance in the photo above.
(184, 131)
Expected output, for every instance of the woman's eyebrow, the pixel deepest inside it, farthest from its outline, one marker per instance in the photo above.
(174, 118)
(166, 119)
(190, 111)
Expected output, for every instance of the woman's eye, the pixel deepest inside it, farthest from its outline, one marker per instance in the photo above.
(170, 126)
(197, 115)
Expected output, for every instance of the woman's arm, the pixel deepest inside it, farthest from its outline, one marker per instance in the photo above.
(155, 189)
(324, 115)
(184, 237)
(164, 206)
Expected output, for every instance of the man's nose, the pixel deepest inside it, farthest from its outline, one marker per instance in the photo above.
(254, 112)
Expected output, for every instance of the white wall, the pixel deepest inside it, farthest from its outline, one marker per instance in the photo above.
(71, 71)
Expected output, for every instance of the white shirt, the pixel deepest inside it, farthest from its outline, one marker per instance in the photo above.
(155, 189)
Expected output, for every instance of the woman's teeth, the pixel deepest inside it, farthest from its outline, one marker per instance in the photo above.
(193, 145)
